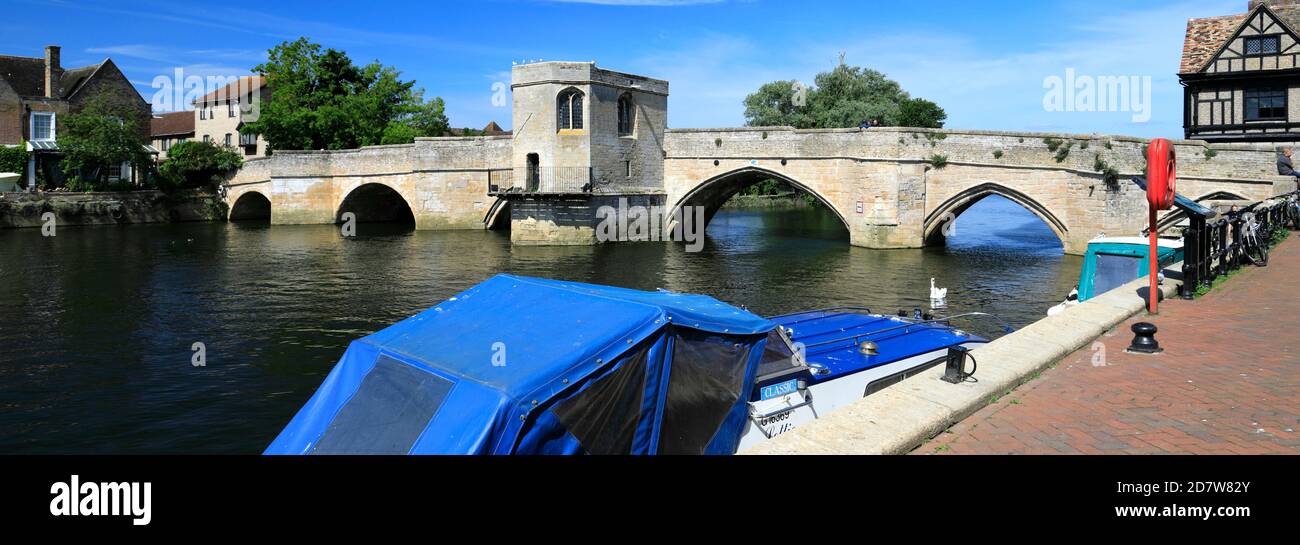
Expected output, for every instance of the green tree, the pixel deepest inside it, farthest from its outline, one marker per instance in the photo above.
(321, 100)
(101, 134)
(919, 112)
(774, 105)
(14, 159)
(419, 119)
(841, 98)
(197, 165)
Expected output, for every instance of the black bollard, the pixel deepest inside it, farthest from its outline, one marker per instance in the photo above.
(1144, 339)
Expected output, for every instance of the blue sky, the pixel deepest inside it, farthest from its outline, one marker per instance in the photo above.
(984, 62)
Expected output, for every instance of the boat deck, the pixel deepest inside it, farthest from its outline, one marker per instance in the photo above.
(833, 337)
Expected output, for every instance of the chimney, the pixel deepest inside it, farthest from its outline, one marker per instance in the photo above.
(52, 70)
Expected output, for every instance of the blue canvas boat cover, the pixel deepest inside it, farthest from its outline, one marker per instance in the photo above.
(527, 365)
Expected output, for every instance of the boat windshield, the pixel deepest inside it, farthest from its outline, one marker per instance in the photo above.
(1114, 271)
(778, 357)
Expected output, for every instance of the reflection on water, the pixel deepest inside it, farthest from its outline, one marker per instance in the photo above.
(95, 344)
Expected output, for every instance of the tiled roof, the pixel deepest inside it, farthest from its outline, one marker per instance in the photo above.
(72, 79)
(173, 123)
(1205, 37)
(235, 89)
(27, 76)
(492, 129)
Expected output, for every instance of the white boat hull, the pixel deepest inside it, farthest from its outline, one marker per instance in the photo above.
(776, 416)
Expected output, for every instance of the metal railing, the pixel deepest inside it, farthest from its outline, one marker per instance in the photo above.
(1216, 247)
(541, 180)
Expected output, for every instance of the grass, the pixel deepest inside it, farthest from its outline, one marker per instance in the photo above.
(938, 161)
(998, 397)
(1279, 236)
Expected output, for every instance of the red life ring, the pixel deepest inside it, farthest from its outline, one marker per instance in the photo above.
(1161, 174)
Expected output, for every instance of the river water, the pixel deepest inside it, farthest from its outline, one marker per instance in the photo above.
(97, 324)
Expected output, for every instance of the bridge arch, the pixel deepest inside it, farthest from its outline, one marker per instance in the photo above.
(953, 208)
(498, 215)
(716, 191)
(251, 206)
(376, 202)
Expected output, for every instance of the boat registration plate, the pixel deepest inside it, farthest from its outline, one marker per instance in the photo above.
(777, 390)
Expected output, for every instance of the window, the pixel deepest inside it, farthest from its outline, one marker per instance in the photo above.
(227, 139)
(1265, 104)
(704, 385)
(230, 108)
(207, 139)
(203, 112)
(43, 126)
(247, 139)
(627, 165)
(115, 172)
(626, 115)
(1114, 271)
(388, 412)
(1263, 45)
(604, 416)
(569, 110)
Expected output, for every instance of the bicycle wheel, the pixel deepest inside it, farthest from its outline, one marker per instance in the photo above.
(1258, 252)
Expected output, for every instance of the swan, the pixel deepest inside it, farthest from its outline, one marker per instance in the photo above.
(937, 293)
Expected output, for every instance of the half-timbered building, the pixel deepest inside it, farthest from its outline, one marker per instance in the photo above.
(1241, 75)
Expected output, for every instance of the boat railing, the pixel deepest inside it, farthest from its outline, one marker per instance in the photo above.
(866, 336)
(855, 310)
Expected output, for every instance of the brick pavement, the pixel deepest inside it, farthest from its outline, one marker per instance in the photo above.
(1227, 383)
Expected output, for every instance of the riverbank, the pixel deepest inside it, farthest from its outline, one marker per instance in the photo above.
(1225, 384)
(898, 419)
(19, 210)
(786, 201)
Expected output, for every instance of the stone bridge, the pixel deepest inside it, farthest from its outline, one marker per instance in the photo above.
(438, 183)
(892, 188)
(897, 188)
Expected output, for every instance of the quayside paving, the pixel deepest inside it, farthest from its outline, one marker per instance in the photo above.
(1227, 383)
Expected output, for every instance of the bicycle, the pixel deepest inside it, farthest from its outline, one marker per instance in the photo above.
(1252, 247)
